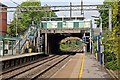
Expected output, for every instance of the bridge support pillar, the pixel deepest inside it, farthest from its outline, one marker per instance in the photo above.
(46, 44)
(34, 43)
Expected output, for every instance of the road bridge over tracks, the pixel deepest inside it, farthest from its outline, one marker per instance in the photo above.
(52, 32)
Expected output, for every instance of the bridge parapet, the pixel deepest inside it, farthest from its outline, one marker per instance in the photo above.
(74, 24)
(64, 30)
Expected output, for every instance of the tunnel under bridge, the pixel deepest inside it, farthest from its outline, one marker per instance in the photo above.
(52, 38)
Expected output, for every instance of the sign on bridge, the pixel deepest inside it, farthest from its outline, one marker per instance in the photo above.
(96, 31)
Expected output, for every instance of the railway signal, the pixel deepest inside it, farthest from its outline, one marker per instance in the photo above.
(86, 39)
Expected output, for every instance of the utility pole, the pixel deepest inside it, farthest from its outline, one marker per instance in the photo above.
(81, 7)
(99, 42)
(84, 45)
(110, 18)
(70, 10)
(50, 14)
(16, 23)
(16, 16)
(91, 38)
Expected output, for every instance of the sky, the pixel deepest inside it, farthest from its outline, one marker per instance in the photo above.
(87, 14)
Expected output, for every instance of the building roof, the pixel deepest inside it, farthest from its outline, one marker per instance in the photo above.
(12, 39)
(9, 38)
(3, 5)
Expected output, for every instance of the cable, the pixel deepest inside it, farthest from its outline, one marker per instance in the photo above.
(15, 2)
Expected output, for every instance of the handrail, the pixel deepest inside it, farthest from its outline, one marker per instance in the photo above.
(26, 35)
(33, 33)
(16, 45)
(23, 44)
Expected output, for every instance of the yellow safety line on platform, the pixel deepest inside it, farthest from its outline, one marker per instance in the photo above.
(81, 68)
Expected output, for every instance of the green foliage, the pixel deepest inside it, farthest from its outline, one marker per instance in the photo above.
(111, 39)
(26, 17)
(11, 29)
(112, 65)
(111, 50)
(68, 45)
(105, 13)
(64, 47)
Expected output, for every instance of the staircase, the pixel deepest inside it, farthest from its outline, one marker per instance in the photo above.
(30, 36)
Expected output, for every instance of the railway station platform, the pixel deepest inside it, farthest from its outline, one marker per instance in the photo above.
(82, 66)
(16, 60)
(9, 57)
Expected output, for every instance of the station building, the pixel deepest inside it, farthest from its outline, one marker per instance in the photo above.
(3, 19)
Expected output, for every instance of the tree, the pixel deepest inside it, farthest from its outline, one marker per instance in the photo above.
(26, 17)
(110, 38)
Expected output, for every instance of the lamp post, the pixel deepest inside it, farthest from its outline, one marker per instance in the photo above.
(100, 48)
(96, 17)
(91, 47)
(16, 16)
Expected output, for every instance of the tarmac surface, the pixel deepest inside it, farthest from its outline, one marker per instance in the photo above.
(93, 69)
(83, 66)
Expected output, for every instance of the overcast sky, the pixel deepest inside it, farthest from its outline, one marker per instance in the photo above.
(88, 14)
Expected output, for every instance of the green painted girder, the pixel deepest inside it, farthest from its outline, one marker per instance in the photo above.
(1, 38)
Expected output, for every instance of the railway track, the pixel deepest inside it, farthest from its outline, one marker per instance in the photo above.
(73, 51)
(19, 70)
(38, 69)
(23, 65)
(51, 70)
